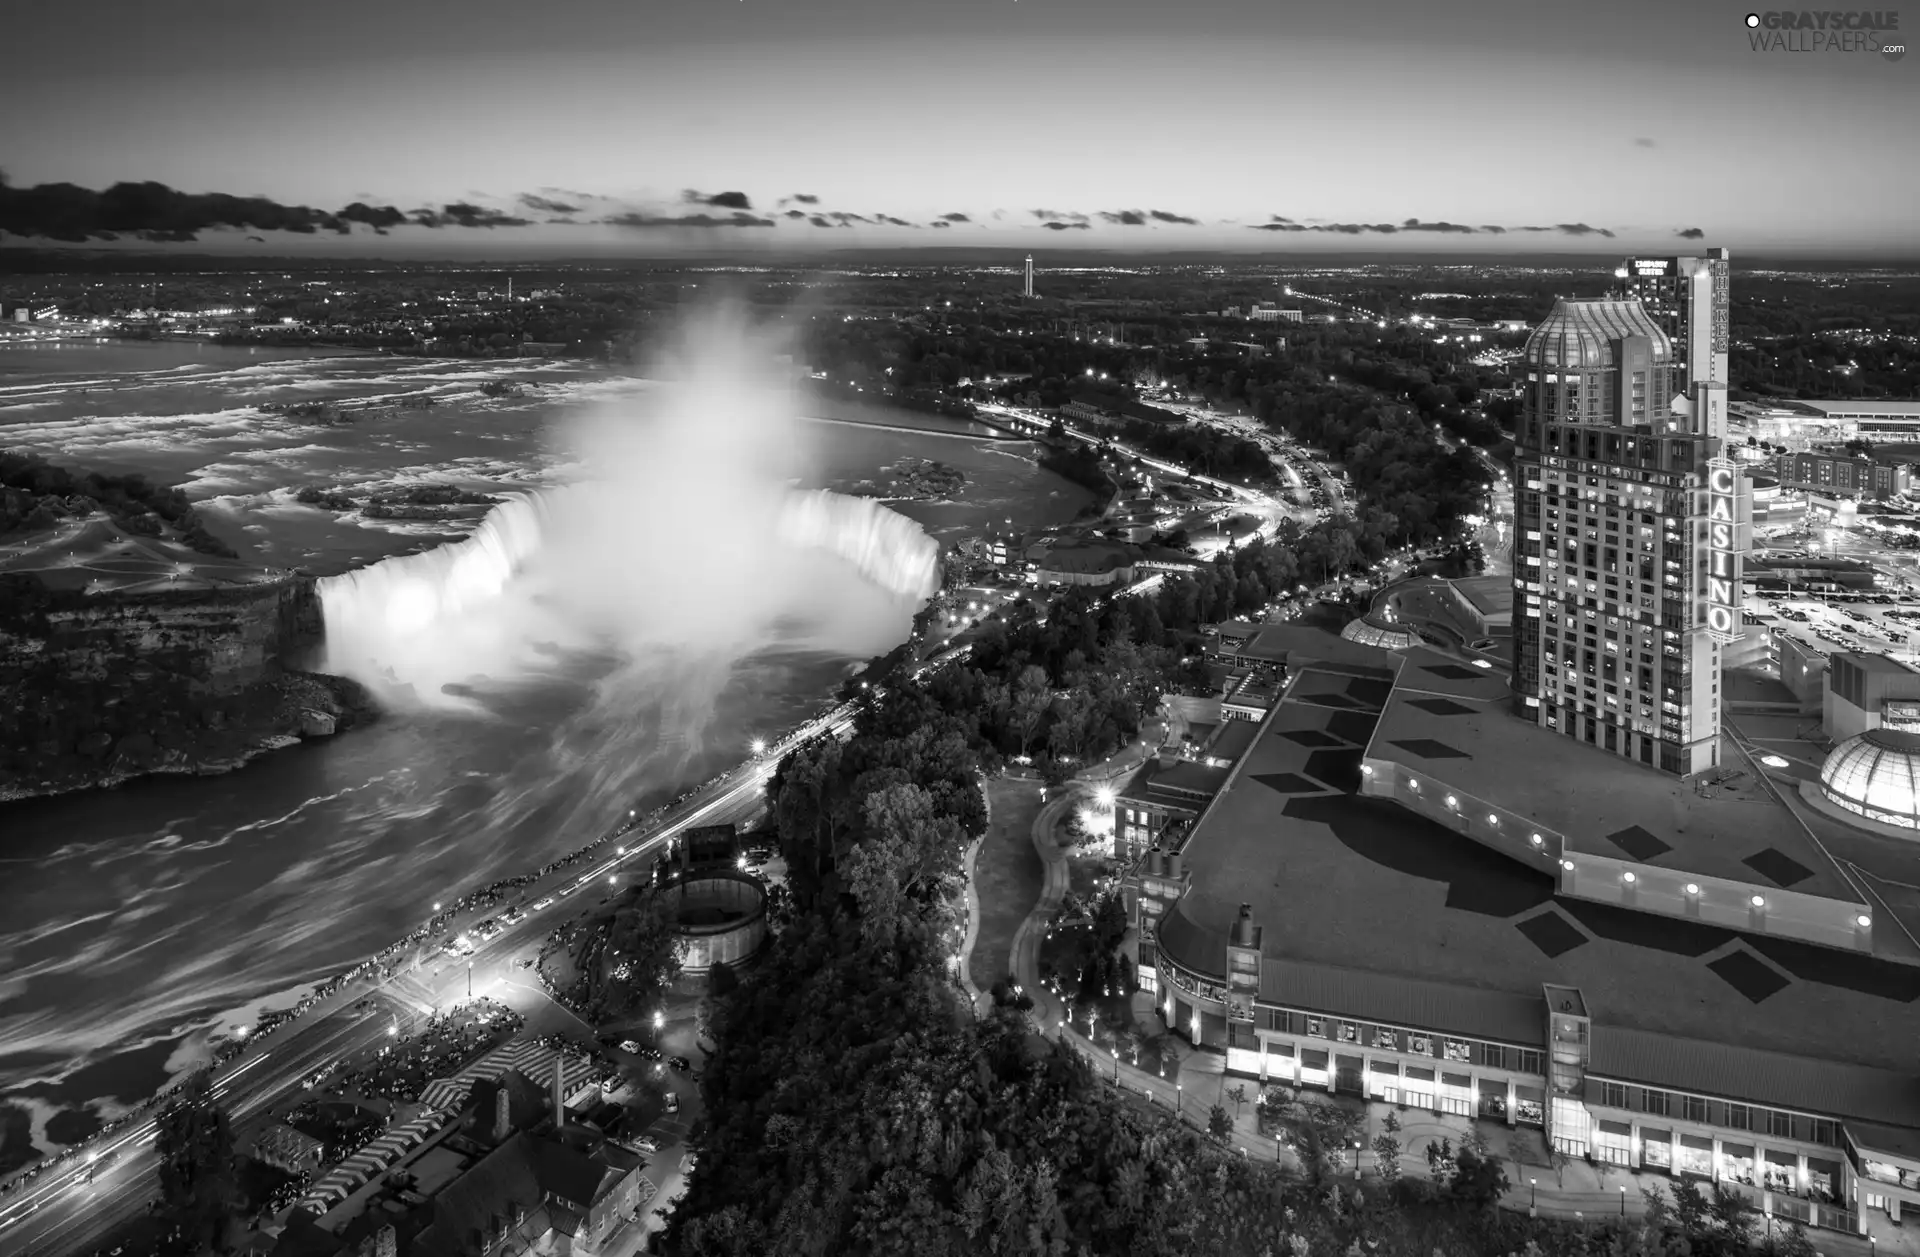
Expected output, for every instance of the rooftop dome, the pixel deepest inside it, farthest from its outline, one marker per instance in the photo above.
(1876, 775)
(1369, 631)
(1581, 333)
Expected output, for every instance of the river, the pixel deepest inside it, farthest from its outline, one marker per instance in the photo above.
(142, 921)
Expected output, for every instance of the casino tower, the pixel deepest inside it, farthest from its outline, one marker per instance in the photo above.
(1630, 525)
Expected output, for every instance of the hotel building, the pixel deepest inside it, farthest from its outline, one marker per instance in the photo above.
(1629, 522)
(1687, 298)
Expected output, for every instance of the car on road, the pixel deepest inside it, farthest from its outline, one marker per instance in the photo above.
(628, 1045)
(647, 1143)
(542, 905)
(680, 1063)
(673, 1102)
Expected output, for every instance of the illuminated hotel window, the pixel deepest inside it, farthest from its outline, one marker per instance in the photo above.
(1459, 1050)
(1316, 1028)
(1349, 1033)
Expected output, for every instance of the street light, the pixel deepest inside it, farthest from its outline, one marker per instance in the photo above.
(1533, 1193)
(1623, 1202)
(469, 979)
(1179, 1096)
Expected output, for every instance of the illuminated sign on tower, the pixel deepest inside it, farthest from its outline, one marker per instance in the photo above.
(1723, 550)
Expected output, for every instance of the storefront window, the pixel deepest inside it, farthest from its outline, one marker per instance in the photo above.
(1694, 1155)
(1736, 1163)
(1783, 1173)
(1823, 1180)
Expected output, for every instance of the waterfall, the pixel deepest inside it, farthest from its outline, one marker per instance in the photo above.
(584, 568)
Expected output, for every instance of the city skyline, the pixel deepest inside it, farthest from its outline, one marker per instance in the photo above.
(593, 130)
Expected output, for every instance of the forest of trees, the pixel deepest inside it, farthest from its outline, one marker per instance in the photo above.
(36, 494)
(855, 1105)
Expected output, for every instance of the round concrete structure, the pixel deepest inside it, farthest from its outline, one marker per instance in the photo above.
(1876, 775)
(721, 916)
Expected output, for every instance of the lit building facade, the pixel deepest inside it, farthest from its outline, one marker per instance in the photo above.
(1687, 298)
(1630, 530)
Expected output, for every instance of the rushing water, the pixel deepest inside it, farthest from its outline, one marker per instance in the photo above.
(140, 921)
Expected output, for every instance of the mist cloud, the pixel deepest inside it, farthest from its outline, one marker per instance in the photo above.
(579, 573)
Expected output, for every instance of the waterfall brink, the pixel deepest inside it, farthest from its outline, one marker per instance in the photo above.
(566, 570)
(884, 546)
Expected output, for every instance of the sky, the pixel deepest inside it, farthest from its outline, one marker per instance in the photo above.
(768, 125)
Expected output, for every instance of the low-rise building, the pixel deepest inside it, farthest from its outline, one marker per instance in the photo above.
(1844, 474)
(1672, 977)
(1868, 691)
(284, 1148)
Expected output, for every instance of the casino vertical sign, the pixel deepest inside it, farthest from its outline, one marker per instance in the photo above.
(1726, 540)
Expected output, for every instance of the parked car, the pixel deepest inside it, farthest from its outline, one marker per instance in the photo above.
(628, 1045)
(647, 1143)
(680, 1063)
(673, 1102)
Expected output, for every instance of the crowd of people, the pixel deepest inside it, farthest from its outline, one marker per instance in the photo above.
(401, 1070)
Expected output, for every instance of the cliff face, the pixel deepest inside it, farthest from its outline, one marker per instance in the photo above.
(96, 688)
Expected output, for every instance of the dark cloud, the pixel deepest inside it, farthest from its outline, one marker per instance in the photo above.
(258, 239)
(1162, 216)
(891, 221)
(65, 211)
(1690, 233)
(463, 214)
(1581, 229)
(1643, 142)
(563, 219)
(940, 222)
(639, 221)
(955, 218)
(821, 220)
(719, 200)
(547, 204)
(845, 219)
(1124, 218)
(796, 213)
(1533, 229)
(1357, 229)
(1065, 216)
(1280, 224)
(1060, 226)
(806, 198)
(1492, 230)
(1414, 224)
(376, 217)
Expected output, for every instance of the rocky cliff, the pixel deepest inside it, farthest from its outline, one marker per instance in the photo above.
(97, 687)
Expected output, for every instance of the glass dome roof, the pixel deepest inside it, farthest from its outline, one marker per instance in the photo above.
(1368, 631)
(1581, 333)
(1876, 775)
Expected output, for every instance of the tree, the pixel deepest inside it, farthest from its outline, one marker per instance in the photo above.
(1219, 1125)
(1031, 696)
(198, 1185)
(1478, 1180)
(641, 959)
(1386, 1149)
(1238, 1094)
